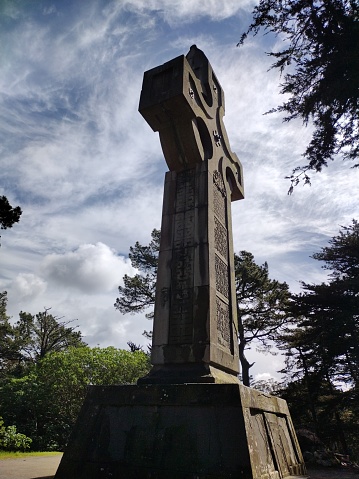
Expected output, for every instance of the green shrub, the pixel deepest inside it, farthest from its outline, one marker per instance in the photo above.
(12, 440)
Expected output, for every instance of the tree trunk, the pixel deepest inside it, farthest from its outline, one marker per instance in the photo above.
(309, 389)
(245, 366)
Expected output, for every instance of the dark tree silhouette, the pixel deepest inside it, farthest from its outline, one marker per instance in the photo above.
(262, 308)
(8, 214)
(319, 64)
(138, 292)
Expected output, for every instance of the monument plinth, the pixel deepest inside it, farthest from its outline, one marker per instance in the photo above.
(189, 418)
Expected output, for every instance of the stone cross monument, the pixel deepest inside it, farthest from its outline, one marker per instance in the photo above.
(195, 326)
(189, 418)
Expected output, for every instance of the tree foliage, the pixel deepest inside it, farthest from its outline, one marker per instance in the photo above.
(268, 386)
(322, 352)
(12, 440)
(44, 333)
(45, 402)
(138, 292)
(319, 64)
(8, 348)
(262, 307)
(32, 337)
(342, 256)
(45, 370)
(327, 333)
(8, 214)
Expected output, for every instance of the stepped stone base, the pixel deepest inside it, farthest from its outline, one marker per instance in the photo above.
(183, 431)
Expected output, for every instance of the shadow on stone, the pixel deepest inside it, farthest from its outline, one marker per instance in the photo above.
(183, 431)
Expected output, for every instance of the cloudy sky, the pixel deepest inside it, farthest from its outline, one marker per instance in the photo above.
(88, 171)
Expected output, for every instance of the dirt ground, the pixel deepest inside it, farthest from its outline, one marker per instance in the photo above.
(332, 473)
(45, 468)
(42, 467)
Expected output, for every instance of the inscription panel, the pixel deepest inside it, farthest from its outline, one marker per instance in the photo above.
(183, 231)
(182, 269)
(181, 320)
(185, 194)
(182, 297)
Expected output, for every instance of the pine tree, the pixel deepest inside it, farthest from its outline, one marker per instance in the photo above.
(138, 292)
(319, 66)
(8, 214)
(323, 350)
(262, 307)
(31, 338)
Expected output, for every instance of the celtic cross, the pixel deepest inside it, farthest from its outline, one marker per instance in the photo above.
(195, 324)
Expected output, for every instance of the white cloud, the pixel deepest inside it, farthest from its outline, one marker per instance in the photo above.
(27, 286)
(266, 366)
(185, 11)
(87, 169)
(263, 377)
(90, 268)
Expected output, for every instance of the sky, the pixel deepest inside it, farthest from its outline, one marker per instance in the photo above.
(88, 171)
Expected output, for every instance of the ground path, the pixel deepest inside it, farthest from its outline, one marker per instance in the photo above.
(32, 467)
(333, 473)
(44, 467)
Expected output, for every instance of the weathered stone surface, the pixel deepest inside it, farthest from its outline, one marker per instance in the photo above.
(182, 431)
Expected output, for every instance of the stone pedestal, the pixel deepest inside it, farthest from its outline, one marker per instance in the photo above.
(187, 431)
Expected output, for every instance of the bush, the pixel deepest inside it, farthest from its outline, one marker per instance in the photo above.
(12, 440)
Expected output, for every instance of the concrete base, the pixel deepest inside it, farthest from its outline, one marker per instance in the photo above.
(183, 431)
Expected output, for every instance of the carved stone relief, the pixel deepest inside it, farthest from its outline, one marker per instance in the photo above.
(222, 279)
(223, 323)
(220, 238)
(219, 197)
(221, 261)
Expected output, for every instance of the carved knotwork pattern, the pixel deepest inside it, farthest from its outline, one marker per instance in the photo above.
(222, 280)
(223, 323)
(220, 238)
(219, 205)
(219, 197)
(218, 181)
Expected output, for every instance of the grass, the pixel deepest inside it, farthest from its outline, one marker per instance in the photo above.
(18, 454)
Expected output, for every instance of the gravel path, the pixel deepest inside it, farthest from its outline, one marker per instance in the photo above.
(46, 466)
(333, 473)
(33, 467)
